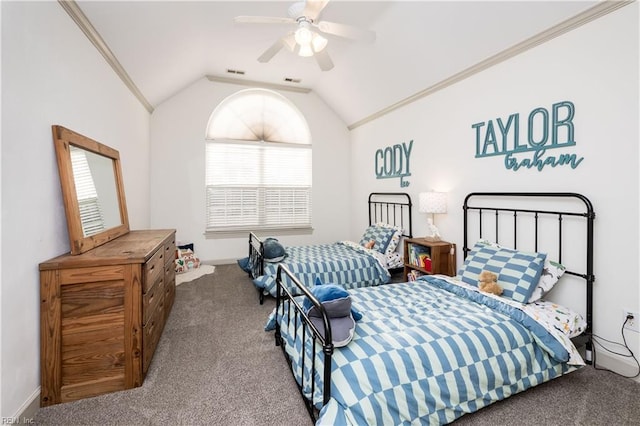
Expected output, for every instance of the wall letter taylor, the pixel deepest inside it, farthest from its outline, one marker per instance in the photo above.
(393, 162)
(544, 131)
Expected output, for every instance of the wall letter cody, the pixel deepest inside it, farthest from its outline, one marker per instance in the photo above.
(393, 162)
(545, 130)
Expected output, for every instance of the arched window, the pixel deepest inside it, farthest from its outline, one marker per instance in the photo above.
(258, 171)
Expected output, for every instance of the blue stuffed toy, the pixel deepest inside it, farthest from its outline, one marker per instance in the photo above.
(326, 293)
(273, 250)
(337, 304)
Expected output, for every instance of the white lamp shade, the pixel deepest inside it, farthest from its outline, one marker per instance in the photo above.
(318, 42)
(433, 202)
(303, 35)
(305, 50)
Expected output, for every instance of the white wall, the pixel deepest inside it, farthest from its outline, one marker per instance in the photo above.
(582, 67)
(51, 74)
(178, 159)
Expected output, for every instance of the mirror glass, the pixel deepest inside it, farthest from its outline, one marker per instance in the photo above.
(96, 191)
(92, 189)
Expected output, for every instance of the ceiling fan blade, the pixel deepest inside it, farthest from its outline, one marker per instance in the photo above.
(271, 51)
(263, 20)
(313, 8)
(346, 31)
(324, 60)
(289, 41)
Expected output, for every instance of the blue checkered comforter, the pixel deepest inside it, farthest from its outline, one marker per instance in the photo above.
(425, 353)
(339, 263)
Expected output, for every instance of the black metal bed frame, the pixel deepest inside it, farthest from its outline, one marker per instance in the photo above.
(389, 207)
(285, 296)
(385, 206)
(587, 213)
(326, 341)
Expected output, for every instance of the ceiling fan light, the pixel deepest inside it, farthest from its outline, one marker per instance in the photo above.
(305, 50)
(303, 36)
(318, 42)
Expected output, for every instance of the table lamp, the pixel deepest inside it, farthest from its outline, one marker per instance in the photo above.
(434, 203)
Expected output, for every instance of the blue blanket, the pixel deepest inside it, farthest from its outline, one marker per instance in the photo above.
(428, 352)
(338, 263)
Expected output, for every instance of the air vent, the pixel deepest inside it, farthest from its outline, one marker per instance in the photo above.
(292, 80)
(239, 72)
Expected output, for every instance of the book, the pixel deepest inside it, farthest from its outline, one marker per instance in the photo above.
(413, 275)
(420, 256)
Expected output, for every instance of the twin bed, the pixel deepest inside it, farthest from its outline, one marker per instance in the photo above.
(347, 263)
(432, 350)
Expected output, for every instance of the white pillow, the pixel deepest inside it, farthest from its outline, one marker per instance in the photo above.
(551, 273)
(568, 321)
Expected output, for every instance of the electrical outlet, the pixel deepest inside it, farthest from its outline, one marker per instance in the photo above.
(631, 324)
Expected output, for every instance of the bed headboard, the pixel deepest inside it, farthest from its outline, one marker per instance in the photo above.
(557, 223)
(393, 208)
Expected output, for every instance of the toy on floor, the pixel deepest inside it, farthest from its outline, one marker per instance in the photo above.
(488, 282)
(186, 260)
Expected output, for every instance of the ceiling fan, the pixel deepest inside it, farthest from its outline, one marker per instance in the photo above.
(306, 39)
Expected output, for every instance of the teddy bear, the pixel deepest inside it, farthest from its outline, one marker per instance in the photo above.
(488, 282)
(369, 244)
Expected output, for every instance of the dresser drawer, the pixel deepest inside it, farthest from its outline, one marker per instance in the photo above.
(170, 273)
(169, 287)
(151, 333)
(170, 251)
(152, 299)
(153, 269)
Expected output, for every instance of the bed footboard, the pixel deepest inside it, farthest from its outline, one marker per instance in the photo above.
(256, 260)
(290, 306)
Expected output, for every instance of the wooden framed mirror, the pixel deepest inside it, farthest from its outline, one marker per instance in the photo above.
(92, 190)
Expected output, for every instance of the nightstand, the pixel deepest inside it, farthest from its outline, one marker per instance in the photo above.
(422, 257)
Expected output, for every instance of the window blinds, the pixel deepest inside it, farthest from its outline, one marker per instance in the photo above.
(91, 215)
(258, 185)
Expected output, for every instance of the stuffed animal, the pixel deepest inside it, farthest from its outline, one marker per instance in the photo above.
(273, 252)
(488, 282)
(369, 244)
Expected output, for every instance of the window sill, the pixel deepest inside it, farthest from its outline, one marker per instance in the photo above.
(260, 232)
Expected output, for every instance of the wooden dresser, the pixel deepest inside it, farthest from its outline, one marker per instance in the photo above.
(102, 314)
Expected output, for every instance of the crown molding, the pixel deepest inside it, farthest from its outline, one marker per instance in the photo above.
(601, 9)
(78, 16)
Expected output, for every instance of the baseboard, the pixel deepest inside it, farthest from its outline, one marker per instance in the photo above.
(220, 262)
(27, 412)
(615, 364)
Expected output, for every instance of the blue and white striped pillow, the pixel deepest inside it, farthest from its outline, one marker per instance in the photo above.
(518, 272)
(383, 235)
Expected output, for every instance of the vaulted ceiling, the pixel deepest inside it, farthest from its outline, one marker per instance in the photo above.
(420, 45)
